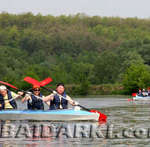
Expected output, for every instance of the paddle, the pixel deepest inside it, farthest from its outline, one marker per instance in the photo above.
(5, 83)
(133, 95)
(18, 96)
(35, 82)
(45, 82)
(102, 117)
(27, 92)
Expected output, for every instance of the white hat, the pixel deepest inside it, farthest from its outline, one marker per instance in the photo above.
(2, 87)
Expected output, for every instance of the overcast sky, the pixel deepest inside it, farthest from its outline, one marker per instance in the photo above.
(121, 8)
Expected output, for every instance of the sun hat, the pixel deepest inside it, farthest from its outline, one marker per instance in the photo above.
(2, 87)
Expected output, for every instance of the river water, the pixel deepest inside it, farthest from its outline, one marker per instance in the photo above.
(128, 125)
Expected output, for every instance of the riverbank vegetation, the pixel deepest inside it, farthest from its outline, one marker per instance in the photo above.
(91, 55)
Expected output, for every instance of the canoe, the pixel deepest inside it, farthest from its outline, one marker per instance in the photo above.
(52, 115)
(141, 98)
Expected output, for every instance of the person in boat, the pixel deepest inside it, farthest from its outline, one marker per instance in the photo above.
(33, 102)
(59, 99)
(140, 93)
(148, 91)
(144, 93)
(7, 98)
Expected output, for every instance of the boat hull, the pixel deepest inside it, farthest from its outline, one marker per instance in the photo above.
(52, 115)
(141, 98)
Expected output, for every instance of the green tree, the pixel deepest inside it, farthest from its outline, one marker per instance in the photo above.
(107, 68)
(136, 76)
(144, 51)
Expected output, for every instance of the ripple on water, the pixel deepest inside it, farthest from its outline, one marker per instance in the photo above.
(127, 118)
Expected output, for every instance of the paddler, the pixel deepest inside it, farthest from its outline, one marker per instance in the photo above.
(140, 92)
(59, 99)
(144, 93)
(7, 98)
(148, 91)
(33, 102)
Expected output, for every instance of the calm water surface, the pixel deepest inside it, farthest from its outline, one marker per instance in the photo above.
(128, 123)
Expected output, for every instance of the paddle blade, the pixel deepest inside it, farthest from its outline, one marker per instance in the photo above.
(45, 82)
(130, 100)
(133, 94)
(5, 83)
(102, 117)
(31, 81)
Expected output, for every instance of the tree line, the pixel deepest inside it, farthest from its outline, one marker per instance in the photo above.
(82, 52)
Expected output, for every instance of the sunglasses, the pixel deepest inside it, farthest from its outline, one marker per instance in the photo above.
(36, 89)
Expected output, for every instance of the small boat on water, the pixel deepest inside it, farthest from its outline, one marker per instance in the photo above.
(141, 97)
(52, 115)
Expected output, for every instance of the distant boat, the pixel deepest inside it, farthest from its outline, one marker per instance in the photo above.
(141, 97)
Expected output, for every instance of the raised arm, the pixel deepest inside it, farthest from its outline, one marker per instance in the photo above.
(27, 97)
(48, 98)
(72, 102)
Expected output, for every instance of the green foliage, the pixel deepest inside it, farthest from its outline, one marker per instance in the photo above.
(77, 49)
(107, 68)
(144, 51)
(84, 88)
(136, 76)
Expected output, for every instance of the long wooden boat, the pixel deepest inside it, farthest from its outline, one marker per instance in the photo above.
(53, 115)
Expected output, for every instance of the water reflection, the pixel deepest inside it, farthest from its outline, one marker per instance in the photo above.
(128, 125)
(29, 133)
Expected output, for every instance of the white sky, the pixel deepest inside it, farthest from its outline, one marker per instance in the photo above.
(121, 8)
